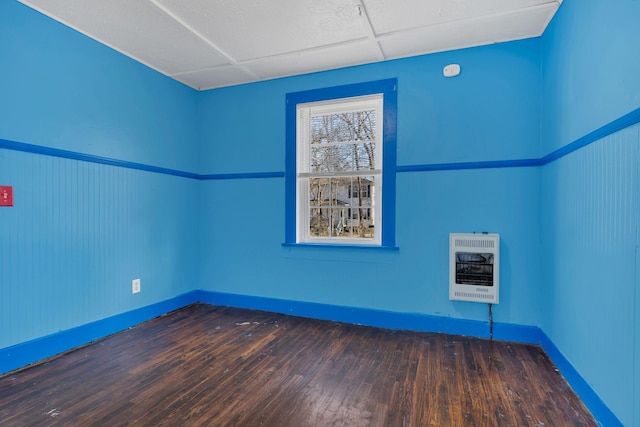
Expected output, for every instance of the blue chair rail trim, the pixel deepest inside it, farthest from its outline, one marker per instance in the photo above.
(616, 125)
(610, 128)
(493, 164)
(248, 175)
(72, 155)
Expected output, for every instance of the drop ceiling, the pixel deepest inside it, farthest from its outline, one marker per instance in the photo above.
(208, 44)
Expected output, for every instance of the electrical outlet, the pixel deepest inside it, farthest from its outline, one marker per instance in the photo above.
(135, 286)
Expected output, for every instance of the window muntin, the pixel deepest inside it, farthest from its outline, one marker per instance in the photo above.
(339, 171)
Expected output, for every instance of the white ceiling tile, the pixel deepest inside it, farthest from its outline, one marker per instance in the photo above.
(136, 28)
(468, 33)
(310, 61)
(389, 16)
(215, 43)
(256, 29)
(216, 77)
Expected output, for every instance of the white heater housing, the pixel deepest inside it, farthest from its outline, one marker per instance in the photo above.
(474, 267)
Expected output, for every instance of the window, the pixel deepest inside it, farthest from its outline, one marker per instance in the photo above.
(340, 156)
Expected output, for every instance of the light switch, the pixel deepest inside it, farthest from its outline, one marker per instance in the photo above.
(6, 195)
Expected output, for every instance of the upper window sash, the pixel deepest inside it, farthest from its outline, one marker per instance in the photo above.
(305, 147)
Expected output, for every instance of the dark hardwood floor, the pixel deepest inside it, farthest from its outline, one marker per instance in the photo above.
(216, 366)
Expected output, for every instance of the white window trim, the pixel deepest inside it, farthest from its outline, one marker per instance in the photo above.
(303, 114)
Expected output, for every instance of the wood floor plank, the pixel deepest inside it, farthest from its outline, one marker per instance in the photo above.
(218, 366)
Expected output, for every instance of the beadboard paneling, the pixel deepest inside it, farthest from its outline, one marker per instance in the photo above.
(79, 233)
(590, 219)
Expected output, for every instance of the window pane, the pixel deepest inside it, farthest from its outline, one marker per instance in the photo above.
(340, 222)
(362, 189)
(364, 156)
(341, 207)
(330, 192)
(319, 191)
(363, 226)
(343, 141)
(343, 127)
(319, 222)
(332, 158)
(343, 157)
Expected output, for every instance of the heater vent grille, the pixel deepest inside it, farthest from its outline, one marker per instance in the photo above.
(475, 296)
(475, 243)
(474, 267)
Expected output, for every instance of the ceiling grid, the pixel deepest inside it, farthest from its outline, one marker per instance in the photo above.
(207, 44)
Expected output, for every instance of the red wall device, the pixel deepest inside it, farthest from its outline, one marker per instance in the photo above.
(6, 196)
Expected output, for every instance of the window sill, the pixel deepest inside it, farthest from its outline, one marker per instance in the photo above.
(346, 246)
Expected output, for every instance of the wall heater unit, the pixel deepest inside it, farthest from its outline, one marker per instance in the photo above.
(474, 267)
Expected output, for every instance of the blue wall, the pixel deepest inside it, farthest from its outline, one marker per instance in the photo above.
(590, 198)
(490, 112)
(63, 90)
(80, 231)
(590, 68)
